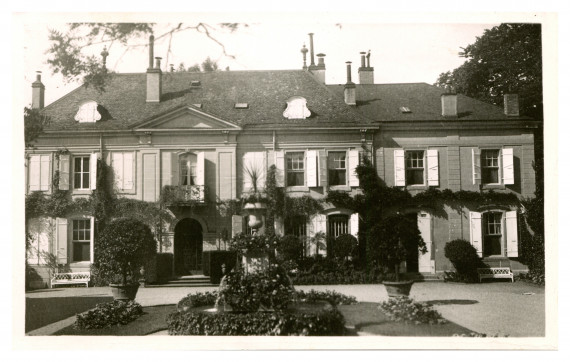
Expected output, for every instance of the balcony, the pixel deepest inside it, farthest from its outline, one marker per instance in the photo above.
(183, 195)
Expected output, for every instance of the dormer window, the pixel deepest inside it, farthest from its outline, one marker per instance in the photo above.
(297, 108)
(241, 106)
(405, 110)
(88, 113)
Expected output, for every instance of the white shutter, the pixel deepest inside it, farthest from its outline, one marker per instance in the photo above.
(91, 239)
(512, 238)
(508, 167)
(399, 168)
(45, 161)
(312, 168)
(61, 248)
(237, 224)
(433, 168)
(166, 168)
(425, 261)
(476, 158)
(174, 169)
(278, 226)
(280, 168)
(93, 170)
(64, 162)
(34, 172)
(261, 163)
(476, 235)
(128, 166)
(353, 161)
(323, 169)
(354, 225)
(200, 169)
(248, 163)
(117, 162)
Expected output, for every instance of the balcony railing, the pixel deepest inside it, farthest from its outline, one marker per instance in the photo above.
(183, 195)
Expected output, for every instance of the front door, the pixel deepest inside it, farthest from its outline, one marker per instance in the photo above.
(187, 247)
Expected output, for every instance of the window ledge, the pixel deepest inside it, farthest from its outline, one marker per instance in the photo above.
(341, 188)
(417, 187)
(79, 264)
(81, 192)
(493, 187)
(297, 189)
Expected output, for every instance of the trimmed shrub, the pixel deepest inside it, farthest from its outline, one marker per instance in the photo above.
(345, 246)
(323, 323)
(404, 309)
(212, 264)
(164, 266)
(334, 298)
(197, 300)
(109, 314)
(289, 248)
(464, 258)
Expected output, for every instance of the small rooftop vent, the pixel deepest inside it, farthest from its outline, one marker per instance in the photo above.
(197, 105)
(405, 110)
(195, 83)
(241, 106)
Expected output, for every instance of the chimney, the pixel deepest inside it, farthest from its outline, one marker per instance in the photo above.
(511, 101)
(349, 87)
(312, 49)
(153, 76)
(449, 102)
(317, 70)
(365, 72)
(38, 90)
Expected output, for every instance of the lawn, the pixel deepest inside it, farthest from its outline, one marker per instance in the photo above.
(364, 317)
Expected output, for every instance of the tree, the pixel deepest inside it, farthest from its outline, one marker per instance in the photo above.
(505, 58)
(34, 123)
(71, 52)
(209, 65)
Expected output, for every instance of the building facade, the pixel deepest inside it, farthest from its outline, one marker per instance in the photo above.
(198, 137)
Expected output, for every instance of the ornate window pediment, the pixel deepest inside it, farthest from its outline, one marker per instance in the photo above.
(88, 113)
(297, 108)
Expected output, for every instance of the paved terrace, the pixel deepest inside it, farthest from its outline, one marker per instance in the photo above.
(498, 307)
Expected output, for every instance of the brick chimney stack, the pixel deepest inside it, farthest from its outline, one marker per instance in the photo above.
(365, 72)
(153, 76)
(511, 101)
(349, 87)
(38, 92)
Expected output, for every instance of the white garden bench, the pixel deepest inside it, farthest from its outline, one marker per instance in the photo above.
(495, 273)
(71, 278)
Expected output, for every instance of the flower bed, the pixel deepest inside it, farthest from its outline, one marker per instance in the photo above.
(404, 309)
(109, 314)
(334, 298)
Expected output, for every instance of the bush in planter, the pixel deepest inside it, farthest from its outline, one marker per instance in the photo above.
(464, 258)
(122, 248)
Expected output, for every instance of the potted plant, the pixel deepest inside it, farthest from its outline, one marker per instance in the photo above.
(394, 236)
(254, 250)
(254, 202)
(123, 247)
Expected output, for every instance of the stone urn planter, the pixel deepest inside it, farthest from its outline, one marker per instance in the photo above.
(398, 289)
(254, 261)
(255, 210)
(124, 291)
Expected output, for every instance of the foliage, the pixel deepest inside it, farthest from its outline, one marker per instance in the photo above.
(464, 258)
(123, 247)
(327, 271)
(209, 65)
(194, 195)
(404, 309)
(331, 296)
(322, 323)
(270, 288)
(533, 276)
(289, 248)
(198, 299)
(102, 198)
(34, 122)
(345, 246)
(263, 242)
(532, 254)
(109, 314)
(506, 58)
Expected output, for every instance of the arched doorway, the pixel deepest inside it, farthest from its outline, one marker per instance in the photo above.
(187, 247)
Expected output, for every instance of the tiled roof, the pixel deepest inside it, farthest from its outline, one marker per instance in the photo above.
(266, 93)
(382, 102)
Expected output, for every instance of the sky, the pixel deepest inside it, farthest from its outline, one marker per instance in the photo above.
(400, 52)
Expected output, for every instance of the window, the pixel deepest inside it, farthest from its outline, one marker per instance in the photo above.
(492, 233)
(81, 173)
(337, 168)
(296, 169)
(490, 166)
(338, 225)
(297, 108)
(188, 170)
(296, 225)
(414, 167)
(39, 172)
(81, 240)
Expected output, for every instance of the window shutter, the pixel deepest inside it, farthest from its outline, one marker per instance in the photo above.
(117, 161)
(354, 225)
(353, 161)
(64, 162)
(278, 226)
(399, 168)
(45, 161)
(512, 238)
(34, 171)
(508, 167)
(261, 162)
(128, 167)
(237, 224)
(476, 157)
(200, 169)
(433, 168)
(92, 240)
(476, 234)
(248, 162)
(312, 168)
(174, 169)
(93, 170)
(166, 168)
(61, 248)
(323, 169)
(280, 168)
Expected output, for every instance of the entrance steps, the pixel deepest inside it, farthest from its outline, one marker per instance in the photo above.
(185, 281)
(424, 277)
